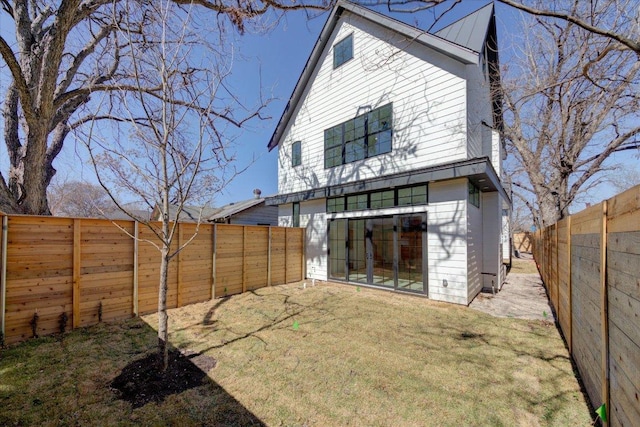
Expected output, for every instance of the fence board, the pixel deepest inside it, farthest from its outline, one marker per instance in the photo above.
(53, 264)
(597, 252)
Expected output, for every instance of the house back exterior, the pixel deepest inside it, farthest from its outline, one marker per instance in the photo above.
(390, 154)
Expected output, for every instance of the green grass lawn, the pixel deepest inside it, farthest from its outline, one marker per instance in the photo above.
(328, 355)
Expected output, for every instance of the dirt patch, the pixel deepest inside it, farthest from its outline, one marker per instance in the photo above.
(142, 382)
(522, 296)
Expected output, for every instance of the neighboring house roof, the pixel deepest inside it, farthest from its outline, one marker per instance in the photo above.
(234, 208)
(140, 214)
(470, 31)
(188, 213)
(447, 47)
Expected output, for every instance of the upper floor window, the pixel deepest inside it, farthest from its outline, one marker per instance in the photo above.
(365, 136)
(296, 154)
(343, 51)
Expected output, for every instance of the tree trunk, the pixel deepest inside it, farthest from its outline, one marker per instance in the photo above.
(163, 317)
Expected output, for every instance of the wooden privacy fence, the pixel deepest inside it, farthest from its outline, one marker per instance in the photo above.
(590, 265)
(89, 269)
(522, 242)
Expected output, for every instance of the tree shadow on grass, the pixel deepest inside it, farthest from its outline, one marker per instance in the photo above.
(142, 382)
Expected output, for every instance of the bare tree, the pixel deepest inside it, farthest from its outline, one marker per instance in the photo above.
(571, 102)
(624, 179)
(584, 14)
(67, 52)
(79, 199)
(178, 148)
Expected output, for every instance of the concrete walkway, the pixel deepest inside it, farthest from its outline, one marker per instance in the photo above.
(522, 296)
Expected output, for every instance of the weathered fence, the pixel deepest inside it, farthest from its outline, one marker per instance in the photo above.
(90, 269)
(590, 264)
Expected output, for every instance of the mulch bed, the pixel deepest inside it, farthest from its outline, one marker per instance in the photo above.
(142, 381)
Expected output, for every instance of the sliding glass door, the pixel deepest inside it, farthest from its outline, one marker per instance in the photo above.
(381, 251)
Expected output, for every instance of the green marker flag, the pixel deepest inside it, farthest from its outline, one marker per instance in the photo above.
(295, 325)
(602, 412)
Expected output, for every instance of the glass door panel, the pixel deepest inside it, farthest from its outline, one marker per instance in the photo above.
(357, 261)
(382, 251)
(337, 249)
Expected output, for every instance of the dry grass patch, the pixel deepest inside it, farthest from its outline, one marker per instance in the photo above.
(355, 358)
(333, 355)
(523, 266)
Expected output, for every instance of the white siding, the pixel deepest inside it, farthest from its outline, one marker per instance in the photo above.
(429, 95)
(447, 241)
(474, 250)
(491, 228)
(313, 217)
(479, 110)
(506, 232)
(285, 215)
(496, 152)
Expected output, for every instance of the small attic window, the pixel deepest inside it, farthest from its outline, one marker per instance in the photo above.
(343, 51)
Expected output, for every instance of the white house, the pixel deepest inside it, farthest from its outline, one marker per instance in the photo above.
(390, 155)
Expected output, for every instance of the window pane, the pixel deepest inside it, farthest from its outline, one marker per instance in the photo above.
(359, 126)
(296, 154)
(404, 196)
(333, 157)
(379, 143)
(296, 214)
(357, 202)
(349, 134)
(333, 136)
(335, 204)
(419, 195)
(354, 151)
(474, 195)
(382, 199)
(343, 51)
(337, 249)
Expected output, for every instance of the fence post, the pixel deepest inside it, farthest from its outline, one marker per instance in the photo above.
(77, 253)
(570, 304)
(213, 261)
(604, 309)
(244, 258)
(180, 266)
(303, 242)
(3, 273)
(557, 278)
(269, 260)
(136, 249)
(286, 260)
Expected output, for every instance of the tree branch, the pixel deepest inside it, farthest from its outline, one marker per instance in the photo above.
(629, 43)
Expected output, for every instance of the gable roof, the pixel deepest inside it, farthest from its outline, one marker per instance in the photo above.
(447, 47)
(234, 208)
(471, 30)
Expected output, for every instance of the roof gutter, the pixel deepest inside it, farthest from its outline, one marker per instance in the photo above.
(478, 170)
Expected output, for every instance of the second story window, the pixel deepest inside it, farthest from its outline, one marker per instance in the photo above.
(343, 51)
(365, 136)
(296, 154)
